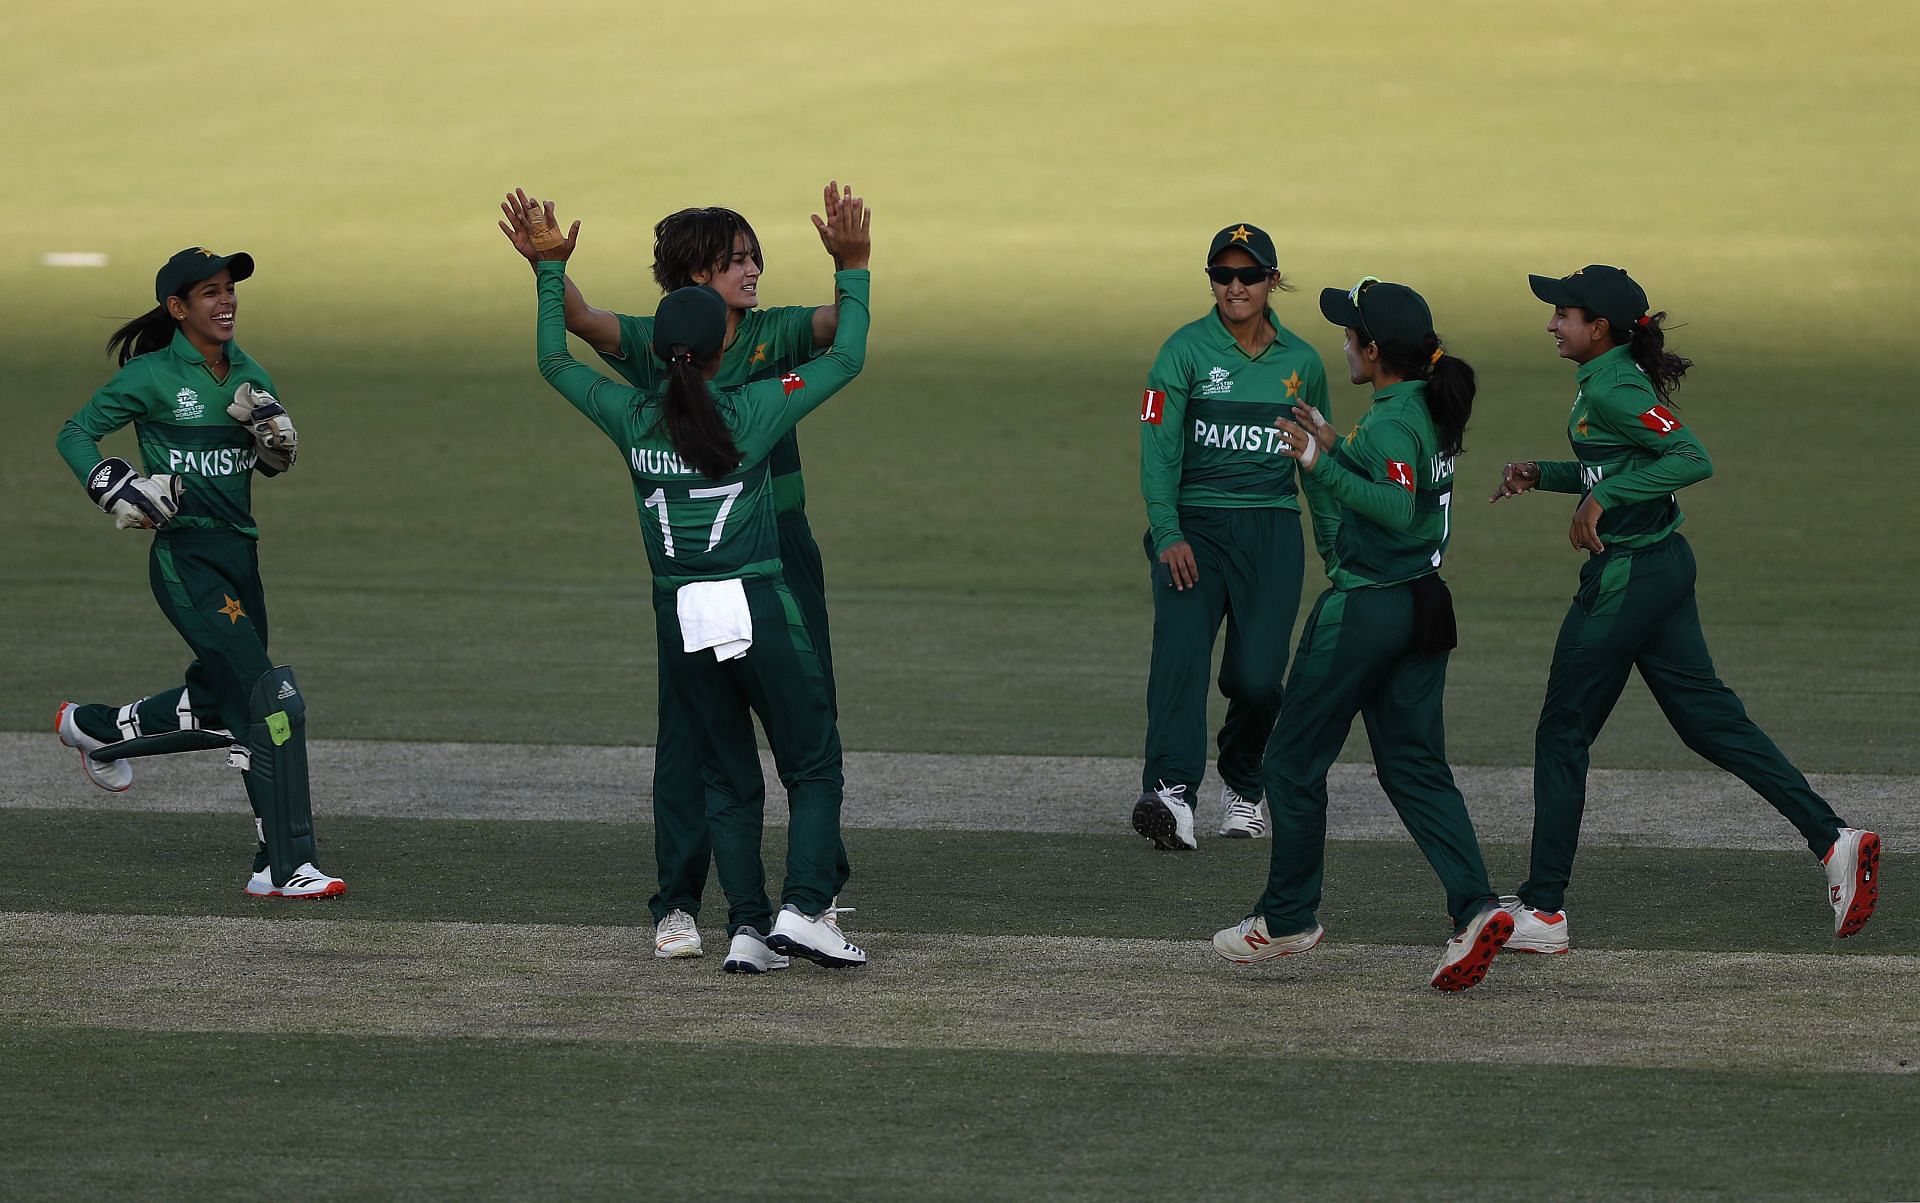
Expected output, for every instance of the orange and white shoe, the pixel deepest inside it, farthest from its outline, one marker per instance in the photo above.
(1536, 930)
(676, 936)
(305, 882)
(1250, 941)
(111, 775)
(1465, 958)
(1853, 879)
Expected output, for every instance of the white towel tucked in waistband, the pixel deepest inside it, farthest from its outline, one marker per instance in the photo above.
(714, 614)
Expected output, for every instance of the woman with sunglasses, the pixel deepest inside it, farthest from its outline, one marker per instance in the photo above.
(1635, 607)
(1223, 538)
(1377, 641)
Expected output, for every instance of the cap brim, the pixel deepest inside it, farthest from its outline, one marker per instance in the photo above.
(1337, 307)
(239, 266)
(1554, 291)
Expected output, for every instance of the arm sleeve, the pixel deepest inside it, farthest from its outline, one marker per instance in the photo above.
(793, 342)
(1326, 511)
(1683, 461)
(1163, 448)
(118, 402)
(1375, 496)
(600, 399)
(1560, 476)
(770, 408)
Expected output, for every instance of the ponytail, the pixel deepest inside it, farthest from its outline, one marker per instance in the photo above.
(151, 331)
(1450, 385)
(693, 423)
(1648, 346)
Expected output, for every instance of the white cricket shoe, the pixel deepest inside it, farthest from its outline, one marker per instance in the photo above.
(1241, 819)
(1250, 941)
(749, 954)
(1534, 930)
(1853, 879)
(1165, 816)
(676, 936)
(1464, 959)
(112, 775)
(306, 882)
(818, 939)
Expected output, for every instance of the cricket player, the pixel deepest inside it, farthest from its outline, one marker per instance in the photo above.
(1377, 642)
(732, 639)
(1635, 607)
(206, 419)
(1223, 538)
(714, 247)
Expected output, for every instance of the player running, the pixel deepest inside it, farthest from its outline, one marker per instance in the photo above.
(1377, 641)
(715, 247)
(732, 641)
(1223, 538)
(206, 419)
(1635, 607)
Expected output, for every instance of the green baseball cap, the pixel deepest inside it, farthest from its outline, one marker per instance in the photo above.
(1388, 314)
(1602, 291)
(1251, 239)
(195, 264)
(695, 318)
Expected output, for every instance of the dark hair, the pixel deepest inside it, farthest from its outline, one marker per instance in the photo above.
(698, 240)
(693, 423)
(1450, 386)
(1648, 343)
(151, 331)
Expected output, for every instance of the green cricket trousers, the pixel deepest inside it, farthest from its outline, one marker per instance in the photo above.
(1251, 564)
(685, 790)
(1357, 657)
(781, 680)
(1636, 609)
(208, 585)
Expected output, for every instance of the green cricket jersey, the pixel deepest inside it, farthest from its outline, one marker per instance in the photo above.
(1632, 452)
(1389, 488)
(179, 415)
(698, 528)
(1206, 422)
(768, 344)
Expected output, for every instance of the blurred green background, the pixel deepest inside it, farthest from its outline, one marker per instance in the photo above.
(457, 555)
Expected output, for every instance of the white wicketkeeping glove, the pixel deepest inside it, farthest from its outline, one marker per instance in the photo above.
(274, 437)
(135, 501)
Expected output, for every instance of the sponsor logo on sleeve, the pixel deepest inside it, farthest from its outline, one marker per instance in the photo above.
(1660, 420)
(791, 383)
(1400, 474)
(1153, 407)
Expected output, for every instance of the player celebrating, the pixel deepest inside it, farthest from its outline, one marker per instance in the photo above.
(732, 642)
(179, 365)
(1635, 607)
(715, 247)
(1223, 538)
(1377, 641)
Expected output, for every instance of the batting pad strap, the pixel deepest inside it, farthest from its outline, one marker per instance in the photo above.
(183, 713)
(128, 720)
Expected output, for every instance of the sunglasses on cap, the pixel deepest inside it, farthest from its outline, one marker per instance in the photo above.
(1366, 282)
(1246, 275)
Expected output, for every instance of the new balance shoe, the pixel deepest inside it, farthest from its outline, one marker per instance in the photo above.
(1165, 816)
(306, 882)
(676, 936)
(1535, 930)
(1250, 941)
(818, 939)
(749, 954)
(1853, 879)
(1464, 959)
(113, 775)
(1241, 819)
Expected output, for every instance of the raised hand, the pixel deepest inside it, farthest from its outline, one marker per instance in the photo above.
(846, 229)
(533, 229)
(1516, 479)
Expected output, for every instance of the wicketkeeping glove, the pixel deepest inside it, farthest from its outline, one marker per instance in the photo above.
(274, 437)
(135, 501)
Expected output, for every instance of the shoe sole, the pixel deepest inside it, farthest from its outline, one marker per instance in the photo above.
(787, 946)
(1239, 833)
(678, 954)
(1558, 950)
(1156, 822)
(748, 967)
(1866, 887)
(1275, 952)
(337, 890)
(86, 762)
(1466, 973)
